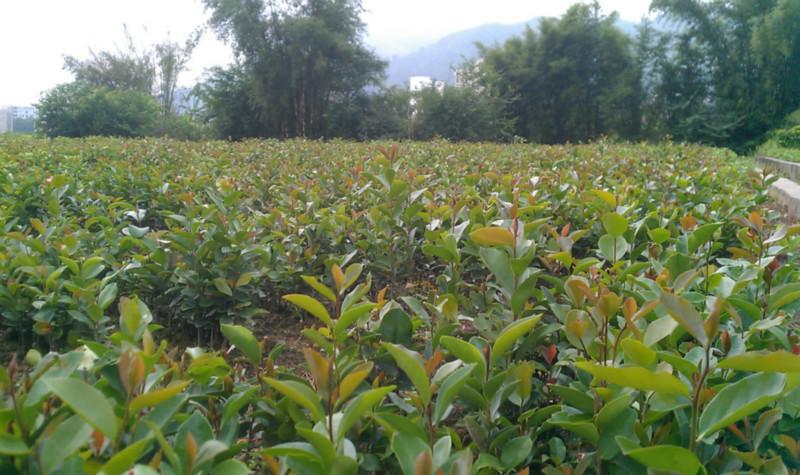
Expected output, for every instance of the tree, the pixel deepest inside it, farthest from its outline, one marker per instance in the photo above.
(574, 80)
(744, 57)
(227, 95)
(460, 114)
(77, 109)
(301, 57)
(381, 114)
(171, 59)
(132, 69)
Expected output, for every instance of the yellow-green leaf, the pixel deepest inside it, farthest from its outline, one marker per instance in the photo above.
(350, 382)
(323, 289)
(465, 351)
(244, 340)
(510, 335)
(154, 398)
(301, 394)
(637, 378)
(492, 236)
(767, 361)
(310, 305)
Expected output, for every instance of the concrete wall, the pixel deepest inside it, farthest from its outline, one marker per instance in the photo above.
(781, 168)
(785, 192)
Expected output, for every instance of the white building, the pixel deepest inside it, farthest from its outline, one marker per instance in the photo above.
(23, 112)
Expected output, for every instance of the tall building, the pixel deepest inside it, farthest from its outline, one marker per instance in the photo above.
(23, 112)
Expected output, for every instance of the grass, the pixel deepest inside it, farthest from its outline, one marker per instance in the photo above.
(772, 149)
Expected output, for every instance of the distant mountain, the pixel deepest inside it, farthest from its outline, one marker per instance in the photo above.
(438, 59)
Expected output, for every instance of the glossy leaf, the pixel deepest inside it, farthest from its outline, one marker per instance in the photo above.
(310, 305)
(510, 334)
(244, 340)
(412, 364)
(637, 378)
(89, 403)
(738, 400)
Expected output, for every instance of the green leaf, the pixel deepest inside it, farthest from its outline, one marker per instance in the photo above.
(510, 334)
(659, 329)
(154, 398)
(126, 458)
(667, 458)
(615, 224)
(499, 264)
(636, 352)
(740, 399)
(449, 389)
(702, 235)
(301, 450)
(766, 361)
(637, 378)
(351, 315)
(612, 248)
(63, 442)
(244, 340)
(134, 316)
(351, 274)
(407, 448)
(231, 467)
(244, 279)
(222, 285)
(107, 296)
(579, 424)
(412, 364)
(310, 305)
(465, 351)
(301, 394)
(323, 289)
(658, 235)
(684, 313)
(764, 425)
(87, 402)
(10, 445)
(611, 411)
(321, 443)
(396, 327)
(515, 451)
(362, 404)
(572, 397)
(492, 236)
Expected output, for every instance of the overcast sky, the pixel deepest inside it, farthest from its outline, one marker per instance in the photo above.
(36, 34)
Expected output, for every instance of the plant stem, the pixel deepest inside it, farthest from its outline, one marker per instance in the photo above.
(696, 399)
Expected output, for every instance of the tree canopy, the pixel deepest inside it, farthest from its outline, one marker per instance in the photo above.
(297, 59)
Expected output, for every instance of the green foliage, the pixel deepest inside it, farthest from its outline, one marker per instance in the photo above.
(459, 114)
(574, 79)
(298, 59)
(789, 138)
(466, 309)
(79, 110)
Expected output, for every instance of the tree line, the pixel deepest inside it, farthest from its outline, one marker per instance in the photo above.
(721, 72)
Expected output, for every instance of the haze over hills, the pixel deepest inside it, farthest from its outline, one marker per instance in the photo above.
(438, 59)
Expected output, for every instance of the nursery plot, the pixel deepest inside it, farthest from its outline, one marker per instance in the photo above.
(460, 309)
